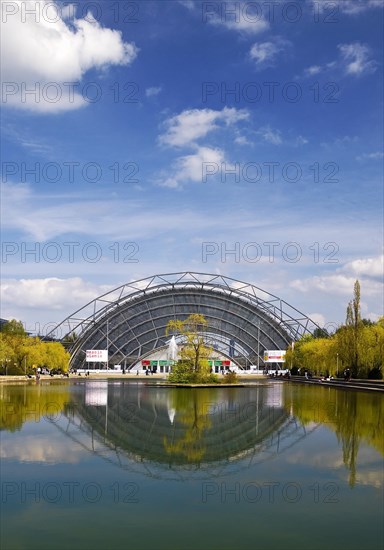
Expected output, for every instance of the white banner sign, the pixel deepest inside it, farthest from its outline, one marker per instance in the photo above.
(97, 355)
(274, 356)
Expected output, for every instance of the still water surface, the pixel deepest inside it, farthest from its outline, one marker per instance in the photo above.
(117, 464)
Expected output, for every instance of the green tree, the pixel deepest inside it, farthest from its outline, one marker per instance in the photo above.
(22, 354)
(352, 334)
(193, 365)
(7, 354)
(314, 354)
(371, 351)
(70, 338)
(360, 341)
(380, 322)
(320, 333)
(33, 354)
(13, 327)
(358, 345)
(55, 356)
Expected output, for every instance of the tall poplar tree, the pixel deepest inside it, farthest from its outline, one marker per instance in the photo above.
(354, 326)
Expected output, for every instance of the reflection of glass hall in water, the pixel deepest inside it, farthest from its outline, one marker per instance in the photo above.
(171, 432)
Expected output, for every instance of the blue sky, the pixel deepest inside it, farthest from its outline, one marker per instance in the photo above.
(154, 137)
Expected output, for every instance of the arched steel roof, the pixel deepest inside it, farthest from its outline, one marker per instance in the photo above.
(130, 321)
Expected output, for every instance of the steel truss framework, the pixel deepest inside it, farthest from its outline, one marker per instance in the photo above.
(130, 321)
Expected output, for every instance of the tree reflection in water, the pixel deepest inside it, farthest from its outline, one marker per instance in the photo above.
(355, 417)
(193, 414)
(20, 403)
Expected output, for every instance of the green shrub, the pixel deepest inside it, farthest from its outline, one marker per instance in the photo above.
(210, 378)
(229, 378)
(182, 373)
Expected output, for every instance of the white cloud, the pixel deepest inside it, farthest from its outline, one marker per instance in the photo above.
(50, 293)
(314, 69)
(271, 136)
(264, 54)
(327, 283)
(274, 137)
(300, 140)
(190, 125)
(263, 51)
(349, 7)
(46, 53)
(369, 271)
(370, 267)
(317, 318)
(191, 167)
(184, 130)
(377, 155)
(242, 140)
(189, 4)
(153, 91)
(243, 17)
(345, 141)
(317, 69)
(355, 59)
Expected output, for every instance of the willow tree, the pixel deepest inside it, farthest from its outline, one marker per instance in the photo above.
(21, 353)
(194, 354)
(314, 354)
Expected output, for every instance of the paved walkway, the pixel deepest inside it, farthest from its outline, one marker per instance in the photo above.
(113, 375)
(358, 384)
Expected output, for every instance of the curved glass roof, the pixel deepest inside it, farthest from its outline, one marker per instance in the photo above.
(130, 321)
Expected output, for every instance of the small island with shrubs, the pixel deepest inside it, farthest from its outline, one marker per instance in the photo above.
(192, 367)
